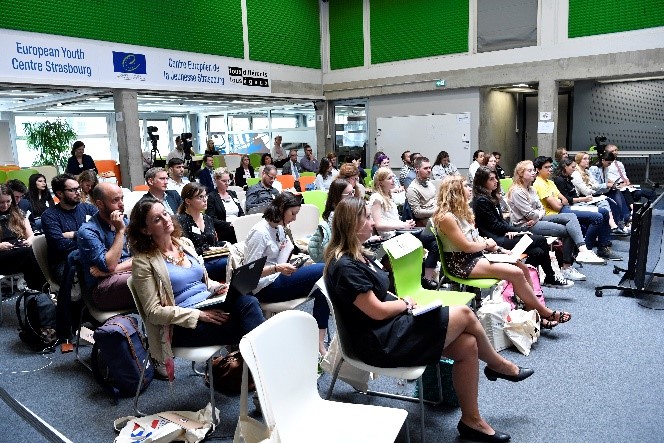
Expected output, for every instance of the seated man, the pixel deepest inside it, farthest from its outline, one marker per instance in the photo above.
(309, 162)
(18, 190)
(412, 175)
(178, 152)
(616, 170)
(176, 171)
(262, 193)
(103, 250)
(205, 174)
(157, 180)
(294, 168)
(421, 194)
(598, 231)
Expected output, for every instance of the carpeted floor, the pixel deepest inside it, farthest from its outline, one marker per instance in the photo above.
(598, 378)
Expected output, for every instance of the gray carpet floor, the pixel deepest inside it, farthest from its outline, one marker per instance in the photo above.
(598, 378)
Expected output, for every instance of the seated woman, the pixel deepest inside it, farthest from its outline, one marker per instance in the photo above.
(280, 280)
(387, 222)
(463, 248)
(442, 167)
(339, 189)
(223, 206)
(244, 171)
(38, 199)
(79, 160)
(527, 212)
(586, 185)
(387, 335)
(325, 175)
(199, 228)
(332, 158)
(87, 180)
(16, 236)
(381, 161)
(266, 159)
(595, 220)
(351, 173)
(170, 279)
(490, 223)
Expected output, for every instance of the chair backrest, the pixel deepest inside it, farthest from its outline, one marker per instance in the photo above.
(237, 189)
(306, 222)
(255, 160)
(308, 174)
(343, 336)
(251, 181)
(306, 180)
(505, 184)
(105, 165)
(405, 252)
(130, 199)
(137, 302)
(3, 176)
(40, 249)
(233, 162)
(287, 181)
(284, 385)
(21, 174)
(317, 198)
(47, 171)
(143, 188)
(9, 167)
(243, 225)
(443, 265)
(218, 161)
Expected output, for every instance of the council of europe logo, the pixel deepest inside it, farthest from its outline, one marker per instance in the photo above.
(129, 63)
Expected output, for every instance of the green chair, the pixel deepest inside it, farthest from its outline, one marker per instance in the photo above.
(505, 184)
(253, 181)
(3, 176)
(255, 160)
(477, 283)
(218, 161)
(368, 171)
(307, 174)
(21, 174)
(406, 253)
(317, 198)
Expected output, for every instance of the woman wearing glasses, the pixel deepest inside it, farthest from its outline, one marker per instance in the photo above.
(351, 174)
(199, 228)
(223, 206)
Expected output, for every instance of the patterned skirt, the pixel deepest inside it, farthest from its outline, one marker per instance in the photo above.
(460, 264)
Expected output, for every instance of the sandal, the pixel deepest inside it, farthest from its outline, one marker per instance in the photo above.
(548, 324)
(563, 317)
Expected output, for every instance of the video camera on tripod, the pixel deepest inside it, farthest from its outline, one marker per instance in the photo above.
(154, 138)
(187, 145)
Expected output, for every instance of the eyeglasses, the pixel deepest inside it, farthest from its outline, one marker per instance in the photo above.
(348, 194)
(202, 197)
(74, 190)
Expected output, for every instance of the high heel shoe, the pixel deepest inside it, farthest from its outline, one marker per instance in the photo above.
(469, 433)
(523, 374)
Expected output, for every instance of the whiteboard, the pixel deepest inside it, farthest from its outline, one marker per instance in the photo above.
(426, 134)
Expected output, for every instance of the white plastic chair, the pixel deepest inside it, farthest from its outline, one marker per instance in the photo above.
(193, 354)
(130, 199)
(407, 373)
(233, 162)
(306, 222)
(243, 225)
(288, 394)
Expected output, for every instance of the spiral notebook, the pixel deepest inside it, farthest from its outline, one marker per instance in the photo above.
(517, 250)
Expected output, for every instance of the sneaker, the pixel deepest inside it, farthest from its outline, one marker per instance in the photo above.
(160, 372)
(572, 274)
(619, 232)
(589, 257)
(606, 253)
(557, 281)
(429, 284)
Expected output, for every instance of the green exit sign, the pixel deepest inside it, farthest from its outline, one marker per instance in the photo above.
(440, 83)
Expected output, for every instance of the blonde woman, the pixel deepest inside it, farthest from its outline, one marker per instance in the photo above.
(387, 222)
(87, 180)
(463, 248)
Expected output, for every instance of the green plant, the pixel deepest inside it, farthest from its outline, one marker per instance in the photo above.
(52, 140)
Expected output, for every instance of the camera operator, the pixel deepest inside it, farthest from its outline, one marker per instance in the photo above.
(178, 152)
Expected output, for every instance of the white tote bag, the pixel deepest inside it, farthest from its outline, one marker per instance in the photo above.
(523, 329)
(492, 315)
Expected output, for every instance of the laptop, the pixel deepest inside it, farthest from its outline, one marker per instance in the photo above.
(243, 281)
(517, 250)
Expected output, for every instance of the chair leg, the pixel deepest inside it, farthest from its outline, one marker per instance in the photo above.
(421, 392)
(334, 378)
(78, 341)
(138, 388)
(215, 418)
(193, 368)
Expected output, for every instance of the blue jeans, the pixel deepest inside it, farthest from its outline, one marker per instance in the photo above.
(298, 285)
(216, 268)
(621, 211)
(598, 232)
(564, 226)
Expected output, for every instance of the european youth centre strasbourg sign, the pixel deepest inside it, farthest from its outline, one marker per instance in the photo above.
(50, 59)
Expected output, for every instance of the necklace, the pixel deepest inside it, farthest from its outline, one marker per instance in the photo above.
(175, 260)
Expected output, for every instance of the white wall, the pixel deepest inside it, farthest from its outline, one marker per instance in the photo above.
(6, 155)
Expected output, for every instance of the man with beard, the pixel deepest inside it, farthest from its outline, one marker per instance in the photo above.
(60, 223)
(104, 255)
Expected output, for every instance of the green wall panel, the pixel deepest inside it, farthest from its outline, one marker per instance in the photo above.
(346, 33)
(595, 17)
(403, 30)
(208, 27)
(285, 32)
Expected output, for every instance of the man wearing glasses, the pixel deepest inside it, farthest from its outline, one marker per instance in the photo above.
(61, 222)
(262, 193)
(309, 162)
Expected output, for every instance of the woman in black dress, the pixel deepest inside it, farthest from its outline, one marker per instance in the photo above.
(387, 335)
(244, 171)
(223, 206)
(38, 199)
(79, 161)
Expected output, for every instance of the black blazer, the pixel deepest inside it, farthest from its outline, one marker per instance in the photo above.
(205, 178)
(172, 198)
(239, 176)
(74, 168)
(217, 210)
(489, 220)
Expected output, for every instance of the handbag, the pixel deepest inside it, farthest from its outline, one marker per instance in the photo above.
(357, 378)
(522, 328)
(492, 315)
(250, 430)
(227, 374)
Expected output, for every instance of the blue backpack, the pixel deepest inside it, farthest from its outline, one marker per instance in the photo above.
(119, 348)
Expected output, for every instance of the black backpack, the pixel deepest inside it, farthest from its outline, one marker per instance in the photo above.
(118, 356)
(36, 321)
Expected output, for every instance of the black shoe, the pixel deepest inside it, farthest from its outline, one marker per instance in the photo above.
(523, 374)
(606, 253)
(429, 284)
(471, 434)
(556, 281)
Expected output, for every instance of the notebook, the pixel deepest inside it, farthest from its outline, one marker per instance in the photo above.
(517, 250)
(243, 281)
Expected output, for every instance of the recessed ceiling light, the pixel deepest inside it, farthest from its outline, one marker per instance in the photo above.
(59, 104)
(521, 85)
(92, 99)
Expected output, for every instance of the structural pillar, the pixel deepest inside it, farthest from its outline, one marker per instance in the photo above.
(547, 101)
(129, 137)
